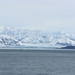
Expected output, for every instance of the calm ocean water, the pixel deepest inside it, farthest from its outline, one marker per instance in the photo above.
(33, 62)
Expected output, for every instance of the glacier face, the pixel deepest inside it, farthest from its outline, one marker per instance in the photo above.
(19, 37)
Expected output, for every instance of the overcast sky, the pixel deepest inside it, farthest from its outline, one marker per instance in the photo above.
(45, 15)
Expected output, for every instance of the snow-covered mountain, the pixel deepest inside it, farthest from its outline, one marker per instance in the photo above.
(20, 36)
(9, 41)
(60, 38)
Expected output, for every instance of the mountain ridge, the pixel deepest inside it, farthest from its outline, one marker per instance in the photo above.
(25, 36)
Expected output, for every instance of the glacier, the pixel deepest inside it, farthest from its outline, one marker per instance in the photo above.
(10, 36)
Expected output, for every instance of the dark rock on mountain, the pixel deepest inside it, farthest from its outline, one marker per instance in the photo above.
(68, 47)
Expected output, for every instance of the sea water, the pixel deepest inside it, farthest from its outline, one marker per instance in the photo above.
(37, 62)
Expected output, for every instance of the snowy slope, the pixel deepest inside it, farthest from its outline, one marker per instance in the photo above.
(61, 38)
(17, 36)
(9, 41)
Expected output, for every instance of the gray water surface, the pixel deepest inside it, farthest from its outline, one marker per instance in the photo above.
(37, 62)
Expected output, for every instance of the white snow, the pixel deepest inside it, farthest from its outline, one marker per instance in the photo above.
(17, 36)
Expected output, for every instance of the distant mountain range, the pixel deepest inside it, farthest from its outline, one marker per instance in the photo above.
(23, 37)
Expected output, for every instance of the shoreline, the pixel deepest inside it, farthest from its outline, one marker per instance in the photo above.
(40, 50)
